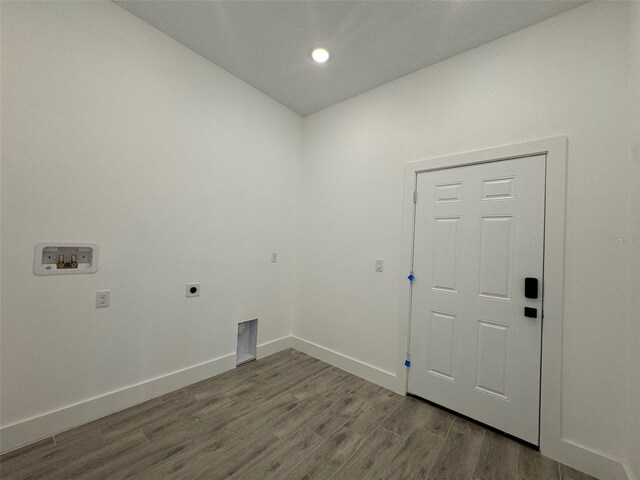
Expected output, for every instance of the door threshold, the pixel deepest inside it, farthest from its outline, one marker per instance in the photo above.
(473, 420)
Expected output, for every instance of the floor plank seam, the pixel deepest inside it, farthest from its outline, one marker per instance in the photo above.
(442, 444)
(389, 415)
(393, 410)
(475, 467)
(284, 474)
(364, 439)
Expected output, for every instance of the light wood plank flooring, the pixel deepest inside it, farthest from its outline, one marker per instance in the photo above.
(287, 416)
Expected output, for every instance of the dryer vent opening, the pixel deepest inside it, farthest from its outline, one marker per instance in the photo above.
(247, 341)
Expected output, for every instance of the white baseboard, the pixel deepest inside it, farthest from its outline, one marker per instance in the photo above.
(274, 346)
(595, 463)
(356, 367)
(51, 423)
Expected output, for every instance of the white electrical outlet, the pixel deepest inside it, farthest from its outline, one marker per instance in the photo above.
(103, 298)
(192, 290)
(274, 257)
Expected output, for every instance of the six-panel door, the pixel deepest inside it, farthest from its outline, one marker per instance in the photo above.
(479, 233)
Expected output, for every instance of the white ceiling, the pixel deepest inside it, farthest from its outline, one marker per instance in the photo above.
(267, 43)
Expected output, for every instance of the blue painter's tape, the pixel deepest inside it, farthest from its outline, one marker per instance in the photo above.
(411, 277)
(407, 363)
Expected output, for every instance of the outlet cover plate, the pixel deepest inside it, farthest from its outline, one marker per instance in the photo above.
(103, 298)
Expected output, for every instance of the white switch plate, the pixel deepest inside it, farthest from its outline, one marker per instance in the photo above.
(379, 265)
(103, 298)
(192, 290)
(274, 257)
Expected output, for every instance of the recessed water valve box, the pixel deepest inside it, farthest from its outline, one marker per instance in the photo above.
(65, 258)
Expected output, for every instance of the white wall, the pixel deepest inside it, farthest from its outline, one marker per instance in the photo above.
(565, 76)
(114, 133)
(634, 235)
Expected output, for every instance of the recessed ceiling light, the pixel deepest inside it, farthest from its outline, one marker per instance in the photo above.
(320, 55)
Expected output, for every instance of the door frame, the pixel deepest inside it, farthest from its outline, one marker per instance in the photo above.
(551, 442)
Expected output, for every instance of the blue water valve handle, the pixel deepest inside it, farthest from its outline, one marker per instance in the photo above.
(411, 277)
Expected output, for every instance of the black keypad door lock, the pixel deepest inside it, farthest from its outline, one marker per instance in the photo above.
(531, 287)
(530, 312)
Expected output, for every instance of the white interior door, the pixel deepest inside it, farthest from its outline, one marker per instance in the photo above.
(479, 232)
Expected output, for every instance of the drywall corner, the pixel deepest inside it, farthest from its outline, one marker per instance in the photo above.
(633, 242)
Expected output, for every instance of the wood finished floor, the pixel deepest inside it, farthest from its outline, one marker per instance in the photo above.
(287, 416)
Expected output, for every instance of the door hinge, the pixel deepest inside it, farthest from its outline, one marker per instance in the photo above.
(407, 359)
(415, 196)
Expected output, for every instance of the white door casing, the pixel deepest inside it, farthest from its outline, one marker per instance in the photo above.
(479, 231)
